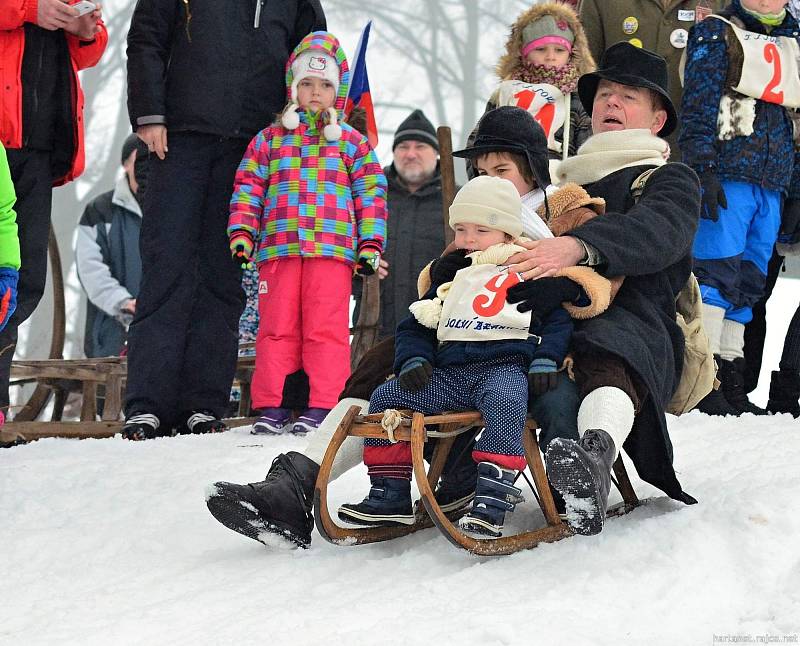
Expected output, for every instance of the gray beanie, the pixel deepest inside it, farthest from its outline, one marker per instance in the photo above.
(416, 127)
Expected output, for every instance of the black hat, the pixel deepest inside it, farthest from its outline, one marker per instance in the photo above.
(512, 129)
(416, 127)
(131, 143)
(630, 65)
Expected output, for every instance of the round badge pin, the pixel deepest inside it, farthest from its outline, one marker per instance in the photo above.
(636, 42)
(630, 25)
(679, 38)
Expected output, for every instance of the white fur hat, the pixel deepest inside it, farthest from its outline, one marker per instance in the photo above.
(313, 62)
(491, 201)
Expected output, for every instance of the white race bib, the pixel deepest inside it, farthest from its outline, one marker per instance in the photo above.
(770, 71)
(476, 309)
(545, 102)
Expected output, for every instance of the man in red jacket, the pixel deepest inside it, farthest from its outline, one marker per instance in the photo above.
(43, 44)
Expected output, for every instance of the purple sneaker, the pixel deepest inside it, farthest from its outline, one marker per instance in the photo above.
(310, 420)
(273, 421)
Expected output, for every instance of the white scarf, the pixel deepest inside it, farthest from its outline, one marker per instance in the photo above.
(533, 226)
(608, 152)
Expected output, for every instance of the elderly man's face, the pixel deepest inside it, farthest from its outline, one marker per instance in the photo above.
(625, 107)
(415, 161)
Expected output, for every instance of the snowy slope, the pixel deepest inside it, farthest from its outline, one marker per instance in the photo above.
(110, 542)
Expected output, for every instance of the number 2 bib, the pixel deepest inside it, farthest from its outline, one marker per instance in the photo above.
(475, 308)
(770, 70)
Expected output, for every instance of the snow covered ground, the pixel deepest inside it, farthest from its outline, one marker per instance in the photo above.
(110, 542)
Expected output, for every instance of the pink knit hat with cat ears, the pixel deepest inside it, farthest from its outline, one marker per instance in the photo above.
(319, 64)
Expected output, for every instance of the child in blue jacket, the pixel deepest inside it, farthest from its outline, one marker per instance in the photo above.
(741, 89)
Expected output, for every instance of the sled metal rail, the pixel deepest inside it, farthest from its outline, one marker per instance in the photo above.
(414, 429)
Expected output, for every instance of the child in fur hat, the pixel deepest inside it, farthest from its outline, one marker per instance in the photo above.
(311, 192)
(466, 372)
(545, 54)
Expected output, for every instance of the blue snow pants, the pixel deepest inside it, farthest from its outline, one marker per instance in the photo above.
(731, 255)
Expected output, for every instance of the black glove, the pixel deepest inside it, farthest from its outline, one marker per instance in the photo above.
(543, 296)
(443, 270)
(712, 196)
(790, 223)
(415, 374)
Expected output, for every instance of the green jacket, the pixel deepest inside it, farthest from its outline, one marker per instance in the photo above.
(9, 243)
(607, 22)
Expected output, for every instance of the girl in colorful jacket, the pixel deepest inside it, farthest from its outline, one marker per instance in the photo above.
(308, 204)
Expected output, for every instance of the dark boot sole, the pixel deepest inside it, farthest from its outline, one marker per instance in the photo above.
(239, 515)
(571, 474)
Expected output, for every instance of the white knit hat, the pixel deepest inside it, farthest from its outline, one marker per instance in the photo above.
(491, 201)
(313, 62)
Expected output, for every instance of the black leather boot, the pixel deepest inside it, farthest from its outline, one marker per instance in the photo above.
(275, 511)
(731, 375)
(581, 472)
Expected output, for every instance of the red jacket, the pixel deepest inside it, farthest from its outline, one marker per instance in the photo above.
(13, 15)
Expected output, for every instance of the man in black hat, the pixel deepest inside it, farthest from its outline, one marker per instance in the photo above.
(415, 230)
(628, 360)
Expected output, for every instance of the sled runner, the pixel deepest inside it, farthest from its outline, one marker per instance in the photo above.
(417, 429)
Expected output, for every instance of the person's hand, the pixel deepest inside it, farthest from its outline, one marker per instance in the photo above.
(543, 295)
(790, 223)
(415, 374)
(242, 246)
(383, 269)
(155, 137)
(545, 257)
(129, 306)
(369, 259)
(444, 269)
(712, 196)
(8, 294)
(54, 14)
(87, 26)
(542, 376)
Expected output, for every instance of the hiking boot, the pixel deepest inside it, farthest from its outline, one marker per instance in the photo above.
(275, 511)
(714, 403)
(310, 420)
(387, 505)
(273, 421)
(784, 392)
(203, 421)
(495, 494)
(731, 375)
(142, 426)
(581, 472)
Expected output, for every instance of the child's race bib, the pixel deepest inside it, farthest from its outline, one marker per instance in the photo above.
(476, 309)
(770, 71)
(545, 102)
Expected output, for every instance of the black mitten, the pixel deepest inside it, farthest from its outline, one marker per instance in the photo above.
(543, 296)
(713, 196)
(444, 269)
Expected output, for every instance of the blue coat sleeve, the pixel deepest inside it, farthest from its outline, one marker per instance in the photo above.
(556, 333)
(413, 339)
(704, 81)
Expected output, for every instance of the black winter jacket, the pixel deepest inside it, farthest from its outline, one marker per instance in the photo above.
(650, 243)
(213, 67)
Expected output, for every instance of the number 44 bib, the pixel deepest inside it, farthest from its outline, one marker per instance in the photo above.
(770, 69)
(475, 308)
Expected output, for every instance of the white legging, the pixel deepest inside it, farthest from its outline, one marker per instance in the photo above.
(351, 453)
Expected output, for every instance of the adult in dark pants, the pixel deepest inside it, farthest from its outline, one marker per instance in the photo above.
(42, 47)
(211, 75)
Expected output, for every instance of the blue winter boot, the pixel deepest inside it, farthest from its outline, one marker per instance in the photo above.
(388, 504)
(495, 495)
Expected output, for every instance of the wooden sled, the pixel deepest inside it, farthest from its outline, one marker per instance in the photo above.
(417, 429)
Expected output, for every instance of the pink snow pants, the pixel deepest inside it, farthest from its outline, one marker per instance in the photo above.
(304, 322)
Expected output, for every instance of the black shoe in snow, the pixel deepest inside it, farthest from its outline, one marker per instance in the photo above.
(784, 392)
(202, 421)
(581, 472)
(142, 426)
(714, 403)
(388, 504)
(731, 375)
(275, 511)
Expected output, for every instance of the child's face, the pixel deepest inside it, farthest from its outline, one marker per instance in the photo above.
(764, 6)
(550, 55)
(501, 165)
(315, 94)
(477, 237)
